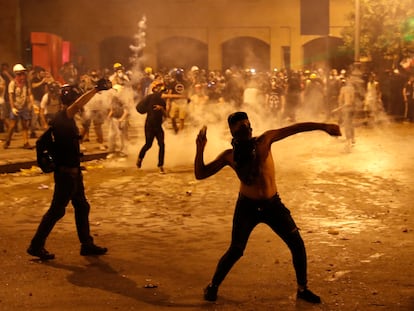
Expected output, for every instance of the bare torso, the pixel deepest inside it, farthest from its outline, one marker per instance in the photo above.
(264, 185)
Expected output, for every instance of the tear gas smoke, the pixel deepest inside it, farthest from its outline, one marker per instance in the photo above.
(137, 49)
(180, 148)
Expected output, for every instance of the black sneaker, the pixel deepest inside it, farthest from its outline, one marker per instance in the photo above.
(308, 296)
(42, 253)
(92, 250)
(210, 292)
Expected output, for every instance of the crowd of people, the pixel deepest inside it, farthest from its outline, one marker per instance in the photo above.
(29, 98)
(296, 101)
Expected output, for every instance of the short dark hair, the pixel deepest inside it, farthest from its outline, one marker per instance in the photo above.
(237, 116)
(69, 94)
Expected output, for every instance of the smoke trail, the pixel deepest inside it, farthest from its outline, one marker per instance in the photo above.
(137, 49)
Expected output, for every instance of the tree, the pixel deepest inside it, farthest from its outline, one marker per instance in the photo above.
(386, 32)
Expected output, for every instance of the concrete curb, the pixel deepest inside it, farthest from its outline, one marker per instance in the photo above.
(17, 166)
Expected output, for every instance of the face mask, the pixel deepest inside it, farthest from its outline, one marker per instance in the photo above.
(243, 132)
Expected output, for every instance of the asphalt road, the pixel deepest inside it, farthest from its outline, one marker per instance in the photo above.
(354, 210)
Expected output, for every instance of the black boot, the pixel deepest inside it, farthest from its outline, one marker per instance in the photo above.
(308, 296)
(42, 253)
(210, 292)
(92, 250)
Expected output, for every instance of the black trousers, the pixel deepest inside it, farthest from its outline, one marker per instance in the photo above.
(68, 187)
(248, 214)
(150, 134)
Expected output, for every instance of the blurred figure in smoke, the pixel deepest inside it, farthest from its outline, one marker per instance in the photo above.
(69, 73)
(88, 80)
(397, 106)
(179, 103)
(50, 104)
(258, 200)
(408, 94)
(7, 77)
(372, 100)
(342, 75)
(275, 97)
(94, 113)
(154, 106)
(198, 104)
(233, 88)
(145, 82)
(68, 176)
(386, 90)
(118, 114)
(2, 104)
(254, 94)
(332, 92)
(21, 103)
(194, 78)
(346, 107)
(119, 76)
(313, 97)
(40, 79)
(293, 95)
(215, 86)
(83, 118)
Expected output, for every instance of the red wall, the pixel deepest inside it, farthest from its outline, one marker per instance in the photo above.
(47, 52)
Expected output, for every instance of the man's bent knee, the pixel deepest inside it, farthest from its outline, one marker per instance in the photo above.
(235, 252)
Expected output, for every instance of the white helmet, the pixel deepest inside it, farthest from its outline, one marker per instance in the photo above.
(18, 68)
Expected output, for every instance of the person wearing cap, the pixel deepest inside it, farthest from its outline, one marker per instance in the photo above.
(50, 104)
(69, 73)
(38, 84)
(7, 76)
(145, 82)
(154, 106)
(2, 104)
(21, 103)
(68, 175)
(258, 201)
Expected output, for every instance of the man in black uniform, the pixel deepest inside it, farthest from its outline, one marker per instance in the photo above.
(68, 176)
(154, 106)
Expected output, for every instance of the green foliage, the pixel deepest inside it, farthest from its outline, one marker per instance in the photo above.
(386, 31)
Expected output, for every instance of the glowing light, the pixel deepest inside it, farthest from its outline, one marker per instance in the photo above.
(409, 30)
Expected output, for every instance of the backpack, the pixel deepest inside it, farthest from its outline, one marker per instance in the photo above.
(45, 151)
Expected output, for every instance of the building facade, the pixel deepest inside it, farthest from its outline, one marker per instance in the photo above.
(212, 34)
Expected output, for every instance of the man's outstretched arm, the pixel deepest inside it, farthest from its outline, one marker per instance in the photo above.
(202, 170)
(102, 85)
(278, 134)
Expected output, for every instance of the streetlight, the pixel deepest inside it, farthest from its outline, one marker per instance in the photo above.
(357, 32)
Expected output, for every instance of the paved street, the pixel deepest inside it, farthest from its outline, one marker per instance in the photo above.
(353, 208)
